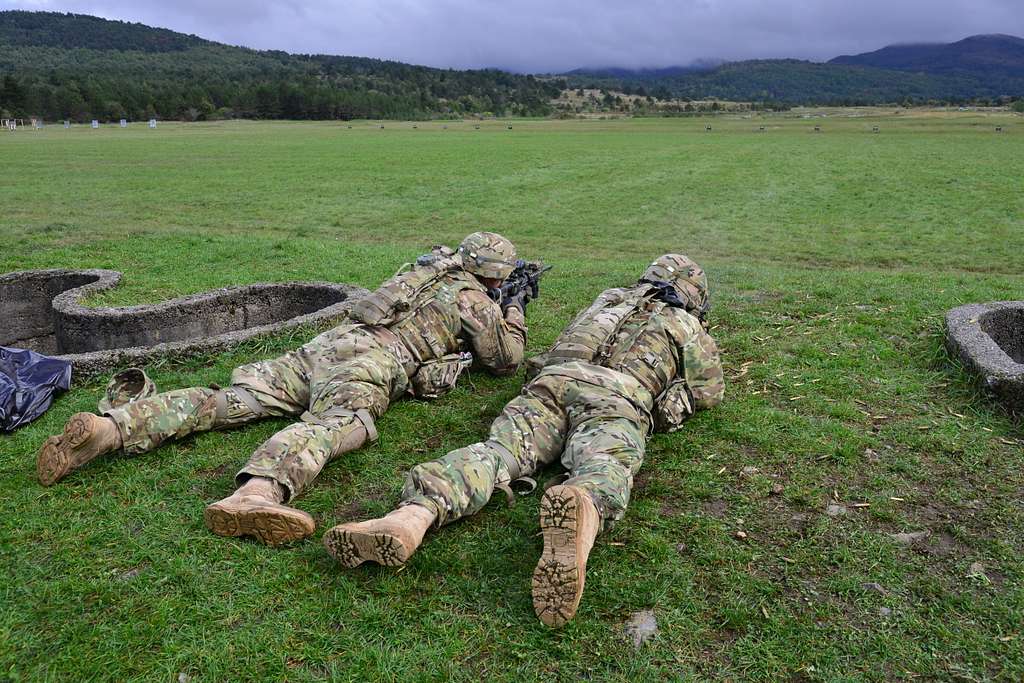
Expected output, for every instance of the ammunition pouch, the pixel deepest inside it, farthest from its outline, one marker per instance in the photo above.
(437, 377)
(673, 407)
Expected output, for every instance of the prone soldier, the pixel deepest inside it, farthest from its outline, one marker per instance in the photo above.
(409, 336)
(638, 359)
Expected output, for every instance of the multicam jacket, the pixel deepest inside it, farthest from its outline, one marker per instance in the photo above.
(439, 311)
(663, 347)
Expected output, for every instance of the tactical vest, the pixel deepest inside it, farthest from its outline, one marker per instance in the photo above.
(419, 305)
(627, 334)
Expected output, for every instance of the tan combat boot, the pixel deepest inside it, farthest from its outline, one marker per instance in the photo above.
(389, 540)
(86, 436)
(569, 521)
(255, 509)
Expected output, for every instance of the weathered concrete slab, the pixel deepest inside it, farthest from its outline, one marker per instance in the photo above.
(989, 340)
(40, 310)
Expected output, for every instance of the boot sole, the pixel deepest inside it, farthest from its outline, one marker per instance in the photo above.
(56, 458)
(558, 579)
(351, 548)
(270, 525)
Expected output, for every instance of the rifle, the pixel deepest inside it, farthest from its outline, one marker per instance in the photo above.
(525, 278)
(668, 294)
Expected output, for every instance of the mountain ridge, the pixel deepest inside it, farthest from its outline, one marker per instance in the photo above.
(984, 66)
(980, 54)
(860, 59)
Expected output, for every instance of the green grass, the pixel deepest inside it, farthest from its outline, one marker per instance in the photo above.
(832, 258)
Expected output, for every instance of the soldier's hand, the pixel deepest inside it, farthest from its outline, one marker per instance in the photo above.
(517, 300)
(533, 291)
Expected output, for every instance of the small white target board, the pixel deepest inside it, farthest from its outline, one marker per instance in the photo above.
(95, 123)
(67, 124)
(152, 123)
(124, 123)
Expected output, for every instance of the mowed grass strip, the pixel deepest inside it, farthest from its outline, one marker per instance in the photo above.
(832, 258)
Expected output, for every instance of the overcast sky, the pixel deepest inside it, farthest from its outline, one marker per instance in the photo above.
(557, 35)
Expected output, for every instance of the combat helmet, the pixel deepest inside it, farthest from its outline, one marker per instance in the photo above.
(685, 276)
(488, 254)
(127, 387)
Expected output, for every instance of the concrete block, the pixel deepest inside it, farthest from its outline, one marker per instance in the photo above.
(989, 341)
(41, 310)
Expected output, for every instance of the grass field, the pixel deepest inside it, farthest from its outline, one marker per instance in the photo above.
(832, 256)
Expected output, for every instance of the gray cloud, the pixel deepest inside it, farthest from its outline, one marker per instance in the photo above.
(546, 35)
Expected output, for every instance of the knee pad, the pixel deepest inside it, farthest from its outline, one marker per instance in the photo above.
(362, 416)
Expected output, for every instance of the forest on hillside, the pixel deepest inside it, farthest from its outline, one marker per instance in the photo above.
(792, 82)
(63, 66)
(67, 66)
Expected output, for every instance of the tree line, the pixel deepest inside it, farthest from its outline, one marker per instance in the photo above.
(81, 98)
(797, 82)
(58, 66)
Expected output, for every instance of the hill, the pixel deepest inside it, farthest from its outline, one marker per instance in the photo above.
(977, 67)
(70, 66)
(983, 56)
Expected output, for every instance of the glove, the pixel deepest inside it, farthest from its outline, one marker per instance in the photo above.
(517, 300)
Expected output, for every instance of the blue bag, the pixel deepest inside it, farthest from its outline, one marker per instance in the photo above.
(28, 384)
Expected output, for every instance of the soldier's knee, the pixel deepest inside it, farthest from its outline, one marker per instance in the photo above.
(341, 418)
(350, 396)
(274, 381)
(429, 478)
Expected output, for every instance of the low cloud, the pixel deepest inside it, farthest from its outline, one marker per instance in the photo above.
(536, 36)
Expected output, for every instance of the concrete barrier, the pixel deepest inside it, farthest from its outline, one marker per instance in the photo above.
(989, 341)
(41, 310)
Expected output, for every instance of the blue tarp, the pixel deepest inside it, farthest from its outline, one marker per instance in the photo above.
(28, 384)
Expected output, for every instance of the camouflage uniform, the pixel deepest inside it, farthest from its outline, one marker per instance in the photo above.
(344, 379)
(626, 366)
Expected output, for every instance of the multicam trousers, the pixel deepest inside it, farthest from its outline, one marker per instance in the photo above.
(339, 382)
(594, 419)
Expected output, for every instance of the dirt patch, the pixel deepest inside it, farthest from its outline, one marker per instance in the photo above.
(213, 472)
(668, 510)
(641, 479)
(352, 511)
(716, 508)
(939, 545)
(800, 522)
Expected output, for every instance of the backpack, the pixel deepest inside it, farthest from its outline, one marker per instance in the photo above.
(593, 337)
(399, 297)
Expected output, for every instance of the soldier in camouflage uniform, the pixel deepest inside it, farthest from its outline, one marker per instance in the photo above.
(410, 336)
(638, 360)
